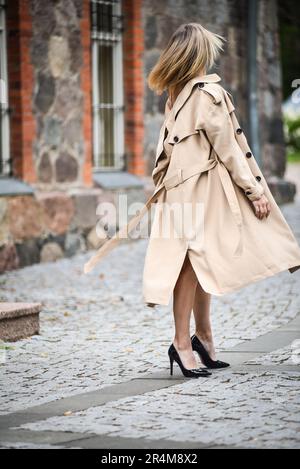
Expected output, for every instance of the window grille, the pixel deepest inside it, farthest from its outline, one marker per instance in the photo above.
(107, 69)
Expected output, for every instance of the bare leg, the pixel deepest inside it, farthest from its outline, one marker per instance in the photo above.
(201, 309)
(184, 294)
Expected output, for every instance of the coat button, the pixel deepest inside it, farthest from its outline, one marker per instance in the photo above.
(176, 139)
(258, 178)
(239, 131)
(249, 154)
(200, 85)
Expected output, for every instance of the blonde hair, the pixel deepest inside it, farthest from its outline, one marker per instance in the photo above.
(190, 50)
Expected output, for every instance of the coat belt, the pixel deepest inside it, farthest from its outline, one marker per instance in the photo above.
(180, 176)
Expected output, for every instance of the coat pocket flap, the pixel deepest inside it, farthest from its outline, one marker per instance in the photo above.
(178, 134)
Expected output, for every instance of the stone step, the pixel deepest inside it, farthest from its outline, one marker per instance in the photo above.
(19, 320)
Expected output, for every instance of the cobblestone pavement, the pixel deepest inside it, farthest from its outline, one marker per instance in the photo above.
(96, 331)
(289, 355)
(241, 409)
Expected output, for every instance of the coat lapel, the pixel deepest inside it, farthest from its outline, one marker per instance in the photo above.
(171, 113)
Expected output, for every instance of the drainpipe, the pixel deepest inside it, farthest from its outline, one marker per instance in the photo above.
(252, 79)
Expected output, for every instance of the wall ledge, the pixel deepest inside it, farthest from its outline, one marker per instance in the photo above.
(12, 186)
(117, 180)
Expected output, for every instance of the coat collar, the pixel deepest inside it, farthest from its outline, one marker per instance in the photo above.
(170, 113)
(185, 93)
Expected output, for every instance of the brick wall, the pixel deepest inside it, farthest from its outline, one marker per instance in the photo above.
(86, 85)
(21, 79)
(133, 51)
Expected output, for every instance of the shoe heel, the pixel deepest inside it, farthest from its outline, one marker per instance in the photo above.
(171, 365)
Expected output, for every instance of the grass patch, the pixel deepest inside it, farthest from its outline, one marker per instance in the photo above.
(294, 157)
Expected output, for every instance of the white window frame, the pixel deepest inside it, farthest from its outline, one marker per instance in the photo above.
(5, 150)
(118, 95)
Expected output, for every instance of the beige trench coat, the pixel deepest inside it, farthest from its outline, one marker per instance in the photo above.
(203, 161)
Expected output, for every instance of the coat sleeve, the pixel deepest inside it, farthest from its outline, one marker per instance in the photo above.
(218, 126)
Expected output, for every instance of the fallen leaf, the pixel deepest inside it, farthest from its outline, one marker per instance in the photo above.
(6, 347)
(91, 337)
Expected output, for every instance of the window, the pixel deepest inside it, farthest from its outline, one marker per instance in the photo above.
(4, 117)
(108, 106)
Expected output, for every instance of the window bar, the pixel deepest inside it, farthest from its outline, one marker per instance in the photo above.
(108, 105)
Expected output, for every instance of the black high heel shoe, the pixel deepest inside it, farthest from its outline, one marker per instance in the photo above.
(188, 373)
(204, 355)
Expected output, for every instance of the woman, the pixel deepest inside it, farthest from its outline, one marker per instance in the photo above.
(216, 225)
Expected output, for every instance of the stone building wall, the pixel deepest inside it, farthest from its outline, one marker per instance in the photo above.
(58, 99)
(228, 18)
(270, 90)
(47, 226)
